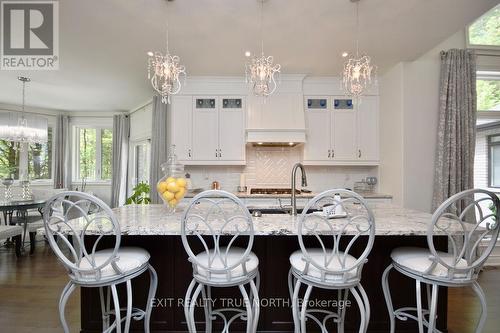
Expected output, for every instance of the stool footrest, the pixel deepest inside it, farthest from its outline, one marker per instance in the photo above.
(403, 315)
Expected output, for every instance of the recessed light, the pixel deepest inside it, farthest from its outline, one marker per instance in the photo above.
(260, 143)
(248, 53)
(150, 53)
(290, 143)
(344, 54)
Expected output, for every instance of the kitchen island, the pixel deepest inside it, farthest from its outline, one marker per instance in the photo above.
(152, 228)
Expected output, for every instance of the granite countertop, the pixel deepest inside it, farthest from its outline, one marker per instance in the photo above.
(366, 195)
(390, 220)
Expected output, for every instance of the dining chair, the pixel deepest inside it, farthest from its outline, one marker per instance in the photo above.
(334, 247)
(217, 234)
(470, 222)
(91, 223)
(14, 232)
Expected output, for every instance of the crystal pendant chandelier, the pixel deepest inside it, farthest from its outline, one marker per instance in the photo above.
(23, 128)
(261, 72)
(165, 72)
(358, 73)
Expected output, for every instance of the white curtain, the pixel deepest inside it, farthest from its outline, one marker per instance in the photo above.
(62, 163)
(158, 145)
(121, 132)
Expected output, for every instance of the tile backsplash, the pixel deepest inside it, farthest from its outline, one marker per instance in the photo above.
(271, 167)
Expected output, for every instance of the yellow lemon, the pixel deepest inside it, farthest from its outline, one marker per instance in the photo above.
(172, 187)
(161, 187)
(179, 195)
(173, 203)
(168, 195)
(169, 180)
(181, 182)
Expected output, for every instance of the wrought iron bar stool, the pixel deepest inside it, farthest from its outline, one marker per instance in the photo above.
(470, 220)
(335, 221)
(218, 262)
(79, 216)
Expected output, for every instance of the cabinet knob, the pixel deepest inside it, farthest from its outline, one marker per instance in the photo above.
(189, 152)
(359, 153)
(329, 153)
(220, 152)
(216, 153)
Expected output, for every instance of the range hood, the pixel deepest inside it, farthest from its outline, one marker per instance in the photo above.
(277, 120)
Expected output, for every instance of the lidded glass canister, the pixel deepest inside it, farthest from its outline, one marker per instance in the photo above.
(172, 187)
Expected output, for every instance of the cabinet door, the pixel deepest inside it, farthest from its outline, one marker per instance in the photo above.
(343, 129)
(182, 125)
(317, 146)
(205, 129)
(368, 125)
(231, 129)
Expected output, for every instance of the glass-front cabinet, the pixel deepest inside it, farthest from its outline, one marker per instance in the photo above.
(209, 130)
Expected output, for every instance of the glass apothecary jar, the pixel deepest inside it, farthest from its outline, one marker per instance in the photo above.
(173, 186)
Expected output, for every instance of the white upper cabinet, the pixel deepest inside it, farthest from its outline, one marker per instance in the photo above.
(182, 129)
(318, 124)
(343, 133)
(368, 129)
(232, 129)
(209, 130)
(205, 128)
(339, 132)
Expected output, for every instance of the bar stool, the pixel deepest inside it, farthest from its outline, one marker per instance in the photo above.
(89, 267)
(342, 217)
(469, 220)
(218, 263)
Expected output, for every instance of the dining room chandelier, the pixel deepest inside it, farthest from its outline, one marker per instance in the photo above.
(358, 72)
(165, 72)
(261, 72)
(21, 127)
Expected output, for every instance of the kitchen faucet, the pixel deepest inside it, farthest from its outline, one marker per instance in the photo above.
(304, 183)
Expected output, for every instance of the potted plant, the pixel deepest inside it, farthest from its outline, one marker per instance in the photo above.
(140, 195)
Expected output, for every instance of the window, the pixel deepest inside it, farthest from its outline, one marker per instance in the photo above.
(33, 160)
(9, 159)
(142, 158)
(485, 31)
(494, 160)
(488, 91)
(93, 153)
(40, 159)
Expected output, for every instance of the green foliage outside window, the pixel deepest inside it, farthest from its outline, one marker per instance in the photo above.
(9, 159)
(488, 95)
(486, 30)
(87, 153)
(89, 140)
(106, 153)
(40, 159)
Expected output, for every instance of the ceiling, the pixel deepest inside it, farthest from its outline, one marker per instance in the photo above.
(103, 43)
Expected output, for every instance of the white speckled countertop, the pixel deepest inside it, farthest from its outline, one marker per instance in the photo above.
(390, 220)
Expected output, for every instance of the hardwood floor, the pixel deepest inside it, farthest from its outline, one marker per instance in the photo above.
(30, 289)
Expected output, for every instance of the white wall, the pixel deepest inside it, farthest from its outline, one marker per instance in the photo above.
(391, 134)
(419, 113)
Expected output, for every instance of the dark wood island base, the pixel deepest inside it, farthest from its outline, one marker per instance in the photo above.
(175, 273)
